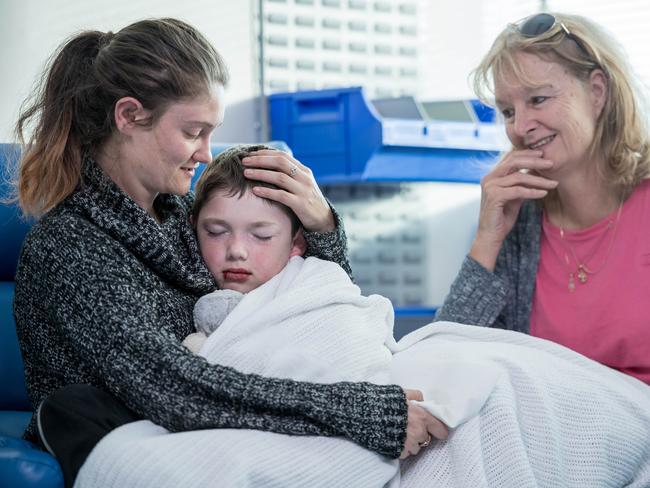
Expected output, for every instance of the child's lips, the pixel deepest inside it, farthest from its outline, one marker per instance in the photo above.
(238, 275)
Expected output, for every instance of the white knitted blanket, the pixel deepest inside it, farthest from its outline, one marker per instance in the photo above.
(553, 419)
(307, 323)
(548, 416)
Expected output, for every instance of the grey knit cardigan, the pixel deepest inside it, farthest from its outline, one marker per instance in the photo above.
(104, 296)
(502, 298)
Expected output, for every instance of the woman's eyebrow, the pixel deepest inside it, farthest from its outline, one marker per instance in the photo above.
(527, 90)
(202, 123)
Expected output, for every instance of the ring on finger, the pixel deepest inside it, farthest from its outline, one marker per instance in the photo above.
(294, 170)
(425, 443)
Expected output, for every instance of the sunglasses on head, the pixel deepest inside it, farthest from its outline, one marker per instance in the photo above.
(540, 24)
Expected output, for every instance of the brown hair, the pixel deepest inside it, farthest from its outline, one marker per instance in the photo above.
(621, 133)
(226, 173)
(156, 61)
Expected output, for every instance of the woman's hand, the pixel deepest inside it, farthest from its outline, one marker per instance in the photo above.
(298, 188)
(422, 426)
(503, 191)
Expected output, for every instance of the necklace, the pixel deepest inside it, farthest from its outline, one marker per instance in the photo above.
(583, 270)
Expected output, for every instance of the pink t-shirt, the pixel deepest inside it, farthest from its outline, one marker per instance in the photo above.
(608, 317)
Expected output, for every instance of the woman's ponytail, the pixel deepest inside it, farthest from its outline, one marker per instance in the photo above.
(70, 116)
(50, 166)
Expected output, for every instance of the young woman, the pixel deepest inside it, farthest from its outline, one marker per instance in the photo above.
(109, 275)
(562, 250)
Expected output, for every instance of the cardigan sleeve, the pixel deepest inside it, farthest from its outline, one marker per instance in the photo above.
(145, 365)
(476, 296)
(330, 246)
(502, 298)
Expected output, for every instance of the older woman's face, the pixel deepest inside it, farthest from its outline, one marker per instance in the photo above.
(558, 116)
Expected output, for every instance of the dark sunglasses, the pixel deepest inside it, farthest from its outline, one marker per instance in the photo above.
(539, 24)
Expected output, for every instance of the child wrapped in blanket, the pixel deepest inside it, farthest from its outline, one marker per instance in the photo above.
(246, 242)
(279, 315)
(244, 239)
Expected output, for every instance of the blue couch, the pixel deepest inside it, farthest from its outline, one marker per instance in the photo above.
(22, 465)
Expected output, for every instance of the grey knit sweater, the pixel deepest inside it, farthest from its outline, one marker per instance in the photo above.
(504, 297)
(104, 296)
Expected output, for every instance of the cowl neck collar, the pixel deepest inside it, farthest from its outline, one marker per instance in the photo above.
(168, 247)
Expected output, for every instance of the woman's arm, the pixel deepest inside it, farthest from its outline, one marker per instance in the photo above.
(479, 293)
(512, 181)
(477, 296)
(112, 327)
(501, 298)
(330, 246)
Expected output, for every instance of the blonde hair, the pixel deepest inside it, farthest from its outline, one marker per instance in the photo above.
(621, 132)
(157, 61)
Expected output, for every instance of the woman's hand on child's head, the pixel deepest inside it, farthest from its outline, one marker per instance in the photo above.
(422, 426)
(297, 187)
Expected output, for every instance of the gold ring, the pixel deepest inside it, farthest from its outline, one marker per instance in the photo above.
(294, 170)
(425, 443)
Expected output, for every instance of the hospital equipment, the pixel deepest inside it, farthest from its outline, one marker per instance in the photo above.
(403, 174)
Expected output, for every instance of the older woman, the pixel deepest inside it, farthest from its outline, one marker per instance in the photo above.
(562, 249)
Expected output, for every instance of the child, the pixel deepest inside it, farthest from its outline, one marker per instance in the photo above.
(279, 315)
(245, 240)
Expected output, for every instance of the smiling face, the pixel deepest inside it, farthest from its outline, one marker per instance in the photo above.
(163, 157)
(245, 241)
(557, 116)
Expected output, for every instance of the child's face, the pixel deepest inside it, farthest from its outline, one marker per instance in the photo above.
(245, 241)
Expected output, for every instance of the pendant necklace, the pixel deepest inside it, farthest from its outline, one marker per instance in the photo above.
(583, 270)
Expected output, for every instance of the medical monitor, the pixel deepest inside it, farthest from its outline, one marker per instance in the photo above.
(398, 108)
(449, 110)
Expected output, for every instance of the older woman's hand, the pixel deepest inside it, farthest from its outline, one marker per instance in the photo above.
(422, 426)
(503, 190)
(298, 188)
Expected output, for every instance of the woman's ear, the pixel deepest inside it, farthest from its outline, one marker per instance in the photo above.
(130, 114)
(298, 245)
(599, 86)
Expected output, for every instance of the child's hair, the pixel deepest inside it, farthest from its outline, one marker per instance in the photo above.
(226, 174)
(70, 114)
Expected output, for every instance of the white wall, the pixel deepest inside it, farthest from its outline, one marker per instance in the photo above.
(626, 20)
(30, 30)
(456, 35)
